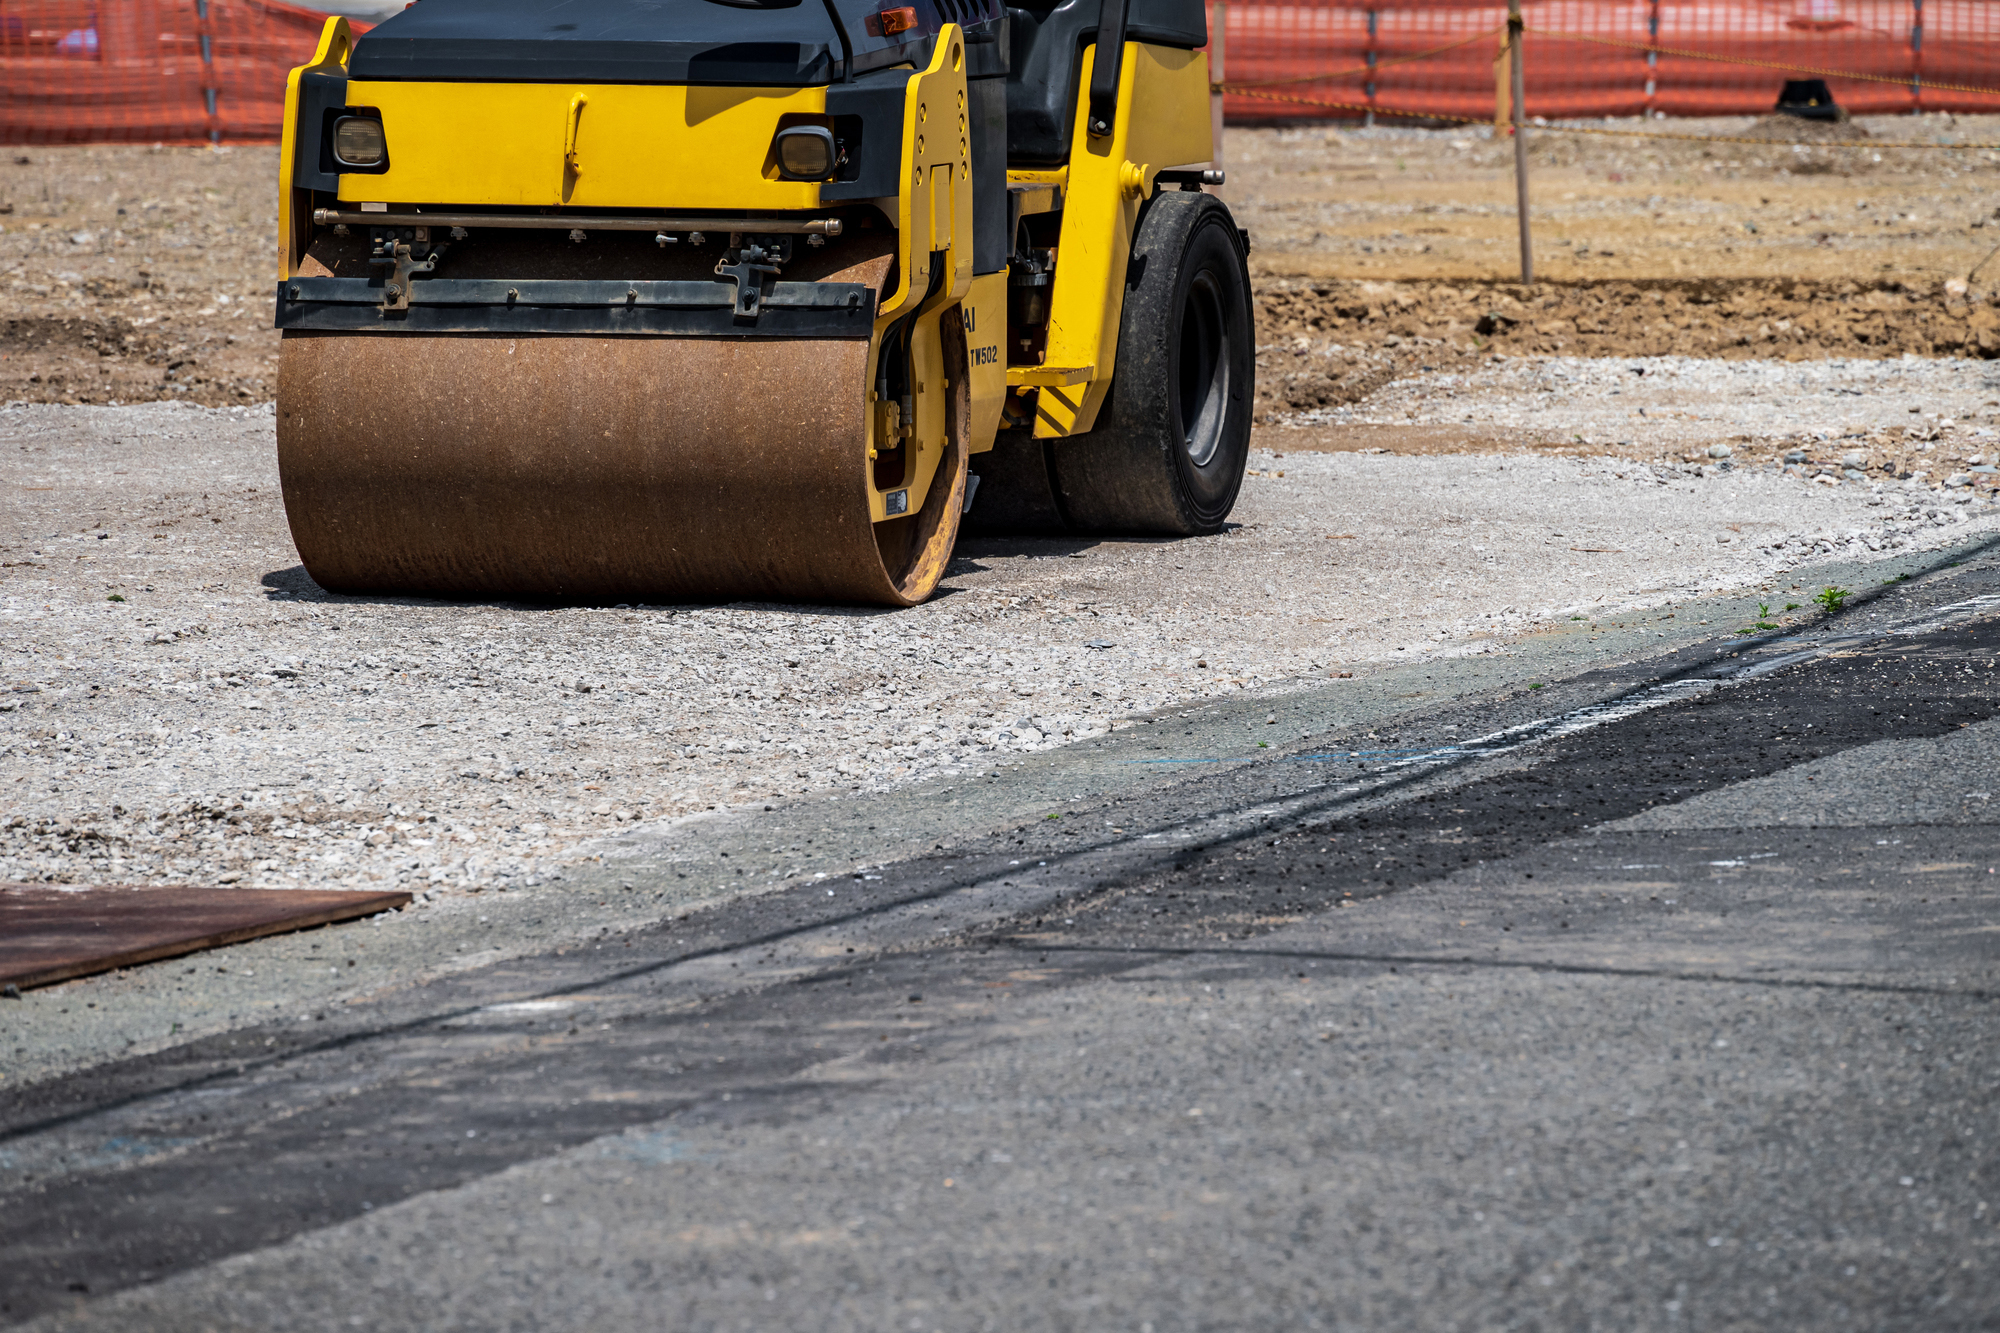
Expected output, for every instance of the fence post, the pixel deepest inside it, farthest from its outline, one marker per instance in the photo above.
(210, 91)
(1218, 41)
(1369, 56)
(1917, 56)
(1514, 28)
(1652, 56)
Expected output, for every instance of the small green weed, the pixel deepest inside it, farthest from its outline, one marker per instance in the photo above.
(1263, 745)
(1051, 816)
(114, 597)
(1831, 599)
(1791, 606)
(1535, 685)
(1579, 617)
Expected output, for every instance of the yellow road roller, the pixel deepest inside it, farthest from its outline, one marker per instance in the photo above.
(656, 300)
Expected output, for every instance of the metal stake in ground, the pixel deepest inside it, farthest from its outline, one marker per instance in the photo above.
(1218, 32)
(1520, 139)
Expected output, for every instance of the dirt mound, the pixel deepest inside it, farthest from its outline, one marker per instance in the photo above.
(106, 358)
(1797, 129)
(1322, 343)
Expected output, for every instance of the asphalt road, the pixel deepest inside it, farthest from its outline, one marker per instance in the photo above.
(1662, 997)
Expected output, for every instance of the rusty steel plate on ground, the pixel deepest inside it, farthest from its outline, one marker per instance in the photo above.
(53, 932)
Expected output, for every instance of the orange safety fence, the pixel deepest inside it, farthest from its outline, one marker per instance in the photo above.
(210, 71)
(1441, 58)
(149, 71)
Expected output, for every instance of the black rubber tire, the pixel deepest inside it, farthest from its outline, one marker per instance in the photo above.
(1166, 455)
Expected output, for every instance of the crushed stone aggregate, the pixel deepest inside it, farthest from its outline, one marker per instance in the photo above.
(1945, 408)
(178, 701)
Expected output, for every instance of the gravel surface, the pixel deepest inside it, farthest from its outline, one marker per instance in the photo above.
(1910, 424)
(184, 704)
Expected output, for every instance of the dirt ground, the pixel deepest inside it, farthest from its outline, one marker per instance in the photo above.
(1387, 251)
(135, 274)
(1438, 205)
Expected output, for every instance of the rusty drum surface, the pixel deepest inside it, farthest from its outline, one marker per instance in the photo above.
(569, 468)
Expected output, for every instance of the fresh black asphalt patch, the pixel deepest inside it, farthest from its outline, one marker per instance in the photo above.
(1918, 686)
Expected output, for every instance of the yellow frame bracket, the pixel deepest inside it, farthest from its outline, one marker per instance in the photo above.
(934, 206)
(1163, 117)
(933, 218)
(336, 43)
(1049, 377)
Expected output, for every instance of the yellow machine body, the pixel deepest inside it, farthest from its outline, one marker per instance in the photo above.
(586, 154)
(588, 146)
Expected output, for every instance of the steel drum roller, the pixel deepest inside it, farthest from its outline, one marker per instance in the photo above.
(611, 468)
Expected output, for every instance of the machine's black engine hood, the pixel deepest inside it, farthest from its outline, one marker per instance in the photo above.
(781, 43)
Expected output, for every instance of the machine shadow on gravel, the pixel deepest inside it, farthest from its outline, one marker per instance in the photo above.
(295, 585)
(1030, 546)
